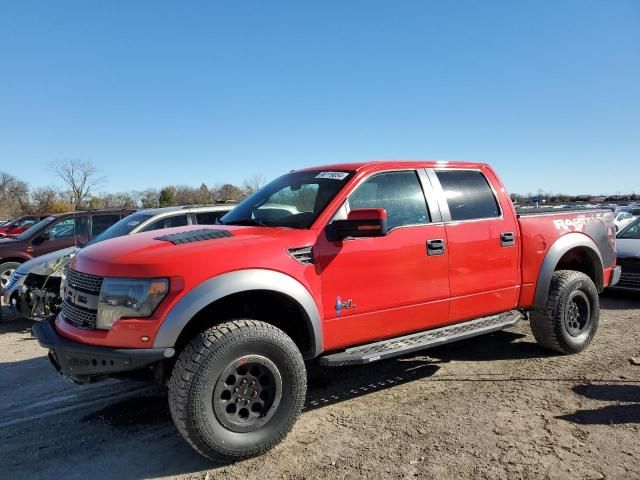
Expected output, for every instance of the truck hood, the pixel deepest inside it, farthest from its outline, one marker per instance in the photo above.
(44, 264)
(627, 247)
(151, 254)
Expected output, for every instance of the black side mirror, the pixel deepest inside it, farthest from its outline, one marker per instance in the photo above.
(363, 222)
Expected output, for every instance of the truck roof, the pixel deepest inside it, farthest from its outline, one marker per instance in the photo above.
(390, 164)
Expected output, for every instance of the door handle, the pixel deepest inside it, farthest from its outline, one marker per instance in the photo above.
(507, 239)
(435, 247)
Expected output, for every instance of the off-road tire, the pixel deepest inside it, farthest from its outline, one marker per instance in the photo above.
(198, 371)
(549, 325)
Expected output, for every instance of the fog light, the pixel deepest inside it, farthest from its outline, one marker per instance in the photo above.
(144, 338)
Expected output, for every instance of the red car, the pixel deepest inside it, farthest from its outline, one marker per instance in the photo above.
(19, 225)
(349, 264)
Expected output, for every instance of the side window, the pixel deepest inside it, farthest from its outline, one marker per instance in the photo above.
(468, 194)
(26, 223)
(399, 193)
(168, 222)
(68, 227)
(208, 218)
(101, 222)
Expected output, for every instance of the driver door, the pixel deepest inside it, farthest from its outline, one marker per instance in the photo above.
(64, 233)
(381, 287)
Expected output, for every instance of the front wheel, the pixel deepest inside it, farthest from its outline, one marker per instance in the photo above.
(237, 389)
(6, 269)
(570, 318)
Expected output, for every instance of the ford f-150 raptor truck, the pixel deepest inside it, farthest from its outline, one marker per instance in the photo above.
(348, 264)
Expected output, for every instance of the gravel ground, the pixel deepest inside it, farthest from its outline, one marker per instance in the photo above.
(494, 407)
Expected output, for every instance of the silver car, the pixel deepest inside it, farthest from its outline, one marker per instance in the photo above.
(628, 248)
(34, 288)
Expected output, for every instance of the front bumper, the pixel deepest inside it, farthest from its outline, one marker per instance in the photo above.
(615, 276)
(81, 362)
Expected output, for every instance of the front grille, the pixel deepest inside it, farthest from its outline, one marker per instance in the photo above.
(629, 280)
(84, 281)
(629, 265)
(79, 317)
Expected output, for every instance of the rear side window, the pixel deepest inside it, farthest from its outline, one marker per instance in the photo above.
(399, 193)
(101, 222)
(167, 222)
(468, 194)
(208, 218)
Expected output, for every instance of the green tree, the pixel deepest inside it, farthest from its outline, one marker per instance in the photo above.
(167, 197)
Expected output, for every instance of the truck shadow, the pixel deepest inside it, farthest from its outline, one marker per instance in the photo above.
(625, 411)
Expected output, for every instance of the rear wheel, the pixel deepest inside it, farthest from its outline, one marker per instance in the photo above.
(6, 269)
(237, 389)
(569, 320)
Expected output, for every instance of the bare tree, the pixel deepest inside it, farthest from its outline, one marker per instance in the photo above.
(45, 199)
(14, 195)
(80, 177)
(254, 183)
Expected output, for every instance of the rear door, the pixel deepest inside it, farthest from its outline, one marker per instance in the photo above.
(380, 287)
(482, 240)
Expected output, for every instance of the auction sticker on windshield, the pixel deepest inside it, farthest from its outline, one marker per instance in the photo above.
(333, 175)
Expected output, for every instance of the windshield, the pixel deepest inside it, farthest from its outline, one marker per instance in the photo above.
(27, 234)
(121, 228)
(294, 200)
(631, 231)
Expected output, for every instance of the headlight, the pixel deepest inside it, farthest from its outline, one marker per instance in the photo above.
(129, 297)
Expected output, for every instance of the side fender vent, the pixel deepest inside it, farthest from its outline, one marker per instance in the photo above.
(302, 254)
(193, 236)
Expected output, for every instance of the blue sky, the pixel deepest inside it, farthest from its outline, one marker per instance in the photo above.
(158, 93)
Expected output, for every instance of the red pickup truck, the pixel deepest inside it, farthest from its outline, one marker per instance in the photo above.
(347, 264)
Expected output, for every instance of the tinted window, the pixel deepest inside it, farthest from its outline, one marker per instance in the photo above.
(102, 222)
(208, 218)
(168, 222)
(122, 227)
(399, 193)
(468, 194)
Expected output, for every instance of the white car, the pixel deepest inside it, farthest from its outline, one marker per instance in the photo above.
(34, 288)
(628, 252)
(622, 219)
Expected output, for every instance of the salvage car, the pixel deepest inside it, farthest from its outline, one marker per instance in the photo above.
(54, 233)
(34, 289)
(349, 264)
(19, 225)
(628, 248)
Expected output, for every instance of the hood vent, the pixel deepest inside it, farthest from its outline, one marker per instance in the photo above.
(193, 236)
(302, 254)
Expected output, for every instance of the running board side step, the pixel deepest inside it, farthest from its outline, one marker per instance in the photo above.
(394, 347)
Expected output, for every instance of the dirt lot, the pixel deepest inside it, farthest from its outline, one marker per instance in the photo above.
(491, 407)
